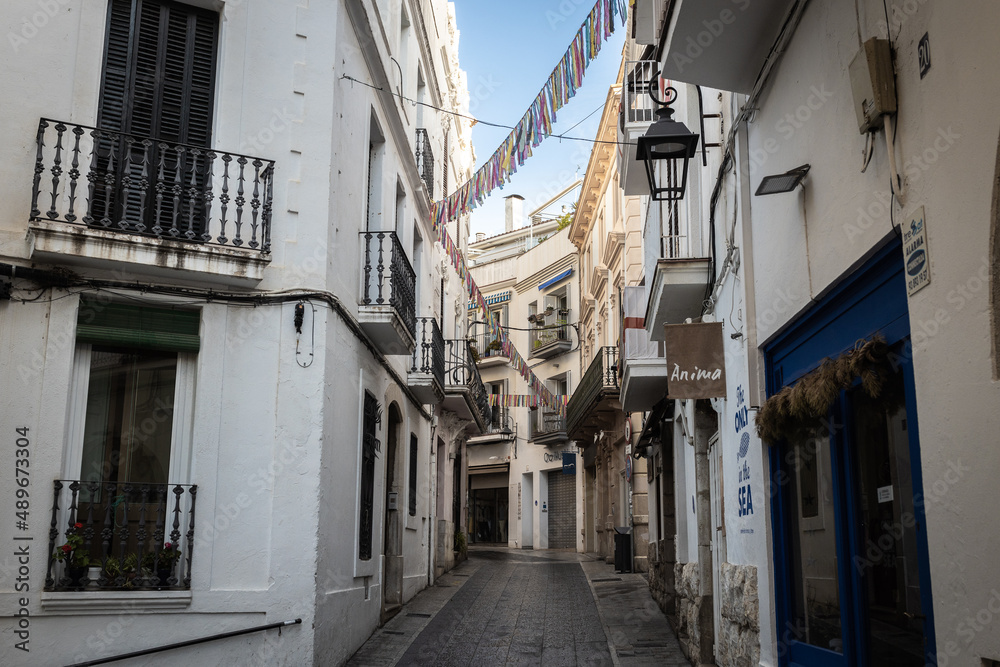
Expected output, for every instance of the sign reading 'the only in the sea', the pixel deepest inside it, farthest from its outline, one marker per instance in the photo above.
(916, 259)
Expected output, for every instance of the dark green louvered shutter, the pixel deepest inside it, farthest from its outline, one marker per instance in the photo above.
(158, 83)
(144, 327)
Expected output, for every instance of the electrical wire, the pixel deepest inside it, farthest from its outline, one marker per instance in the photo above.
(125, 290)
(483, 122)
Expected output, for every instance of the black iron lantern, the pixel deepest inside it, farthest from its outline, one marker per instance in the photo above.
(672, 143)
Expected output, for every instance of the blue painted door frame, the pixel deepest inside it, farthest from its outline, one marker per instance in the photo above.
(872, 300)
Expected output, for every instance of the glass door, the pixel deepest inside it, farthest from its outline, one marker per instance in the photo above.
(886, 528)
(852, 548)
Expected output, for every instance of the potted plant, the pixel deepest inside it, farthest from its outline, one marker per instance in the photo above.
(122, 573)
(166, 561)
(474, 353)
(73, 554)
(494, 345)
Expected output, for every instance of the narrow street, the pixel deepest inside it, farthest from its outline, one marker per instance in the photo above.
(511, 607)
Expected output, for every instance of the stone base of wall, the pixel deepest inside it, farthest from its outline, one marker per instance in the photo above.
(739, 627)
(661, 580)
(689, 609)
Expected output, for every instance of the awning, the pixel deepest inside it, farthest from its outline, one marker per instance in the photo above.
(489, 469)
(493, 299)
(651, 431)
(552, 281)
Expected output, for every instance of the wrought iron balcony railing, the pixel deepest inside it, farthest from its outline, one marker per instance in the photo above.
(428, 355)
(486, 346)
(425, 161)
(601, 379)
(137, 185)
(637, 105)
(461, 374)
(112, 536)
(549, 330)
(389, 279)
(547, 425)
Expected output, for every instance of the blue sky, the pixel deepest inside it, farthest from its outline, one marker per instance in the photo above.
(508, 50)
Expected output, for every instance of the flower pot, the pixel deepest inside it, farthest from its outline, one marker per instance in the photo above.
(76, 573)
(163, 574)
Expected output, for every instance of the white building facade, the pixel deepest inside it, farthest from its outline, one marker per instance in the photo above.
(525, 483)
(226, 323)
(825, 511)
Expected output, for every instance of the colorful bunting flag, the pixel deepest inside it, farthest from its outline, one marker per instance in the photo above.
(537, 122)
(531, 130)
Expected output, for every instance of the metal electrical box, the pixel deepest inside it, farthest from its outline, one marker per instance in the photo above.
(872, 83)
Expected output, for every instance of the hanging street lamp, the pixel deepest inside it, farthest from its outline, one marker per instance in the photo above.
(670, 142)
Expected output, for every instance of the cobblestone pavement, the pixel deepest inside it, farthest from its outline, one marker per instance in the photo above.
(513, 607)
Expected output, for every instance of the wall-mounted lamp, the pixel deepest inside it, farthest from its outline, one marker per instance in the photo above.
(669, 141)
(786, 182)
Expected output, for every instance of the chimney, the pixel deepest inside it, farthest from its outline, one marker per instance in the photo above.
(513, 206)
(480, 236)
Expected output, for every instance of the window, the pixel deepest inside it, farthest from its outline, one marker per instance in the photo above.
(129, 498)
(369, 450)
(413, 475)
(131, 356)
(400, 207)
(376, 156)
(404, 52)
(158, 83)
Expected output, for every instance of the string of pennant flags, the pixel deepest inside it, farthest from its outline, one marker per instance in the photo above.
(536, 123)
(522, 400)
(534, 126)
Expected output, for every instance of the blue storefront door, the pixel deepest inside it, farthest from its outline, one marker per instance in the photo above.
(852, 587)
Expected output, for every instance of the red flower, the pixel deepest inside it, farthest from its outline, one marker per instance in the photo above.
(78, 525)
(66, 548)
(167, 545)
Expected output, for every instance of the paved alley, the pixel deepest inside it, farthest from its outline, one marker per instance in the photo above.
(509, 607)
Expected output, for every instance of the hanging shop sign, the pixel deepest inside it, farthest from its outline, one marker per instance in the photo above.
(915, 258)
(569, 463)
(696, 360)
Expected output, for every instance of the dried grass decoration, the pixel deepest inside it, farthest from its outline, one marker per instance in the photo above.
(807, 402)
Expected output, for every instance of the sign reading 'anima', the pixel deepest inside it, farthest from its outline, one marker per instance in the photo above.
(696, 360)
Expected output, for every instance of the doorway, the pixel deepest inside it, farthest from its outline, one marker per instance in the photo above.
(392, 543)
(851, 565)
(489, 511)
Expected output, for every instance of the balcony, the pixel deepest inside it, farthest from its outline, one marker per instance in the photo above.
(425, 161)
(547, 427)
(646, 17)
(486, 350)
(501, 428)
(550, 337)
(464, 391)
(388, 294)
(107, 199)
(644, 366)
(426, 375)
(637, 114)
(734, 60)
(593, 404)
(120, 537)
(678, 291)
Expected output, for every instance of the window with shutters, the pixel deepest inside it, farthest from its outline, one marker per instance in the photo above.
(370, 447)
(157, 100)
(127, 497)
(414, 448)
